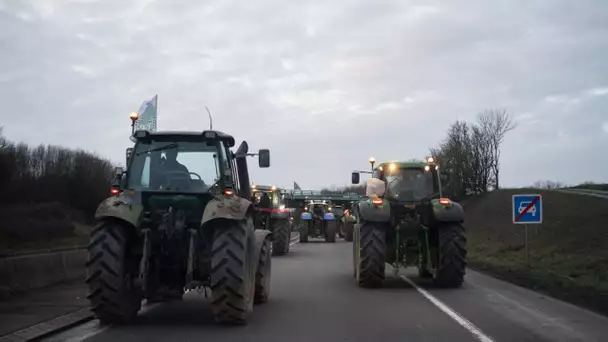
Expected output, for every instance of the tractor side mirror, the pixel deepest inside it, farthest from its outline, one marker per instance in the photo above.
(264, 158)
(355, 178)
(444, 178)
(118, 177)
(128, 154)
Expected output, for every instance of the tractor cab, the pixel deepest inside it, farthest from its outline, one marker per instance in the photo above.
(407, 182)
(275, 194)
(317, 208)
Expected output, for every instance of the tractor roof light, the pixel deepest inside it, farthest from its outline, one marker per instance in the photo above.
(273, 188)
(141, 134)
(430, 160)
(253, 186)
(210, 135)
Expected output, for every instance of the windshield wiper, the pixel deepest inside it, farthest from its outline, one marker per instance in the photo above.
(214, 184)
(427, 197)
(161, 148)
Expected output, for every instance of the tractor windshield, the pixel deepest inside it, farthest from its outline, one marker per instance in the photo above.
(184, 166)
(275, 197)
(409, 184)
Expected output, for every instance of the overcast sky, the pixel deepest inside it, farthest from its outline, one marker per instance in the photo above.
(323, 84)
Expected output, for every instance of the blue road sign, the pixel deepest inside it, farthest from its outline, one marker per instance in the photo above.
(527, 209)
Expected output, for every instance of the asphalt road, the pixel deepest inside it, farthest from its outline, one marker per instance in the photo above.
(314, 298)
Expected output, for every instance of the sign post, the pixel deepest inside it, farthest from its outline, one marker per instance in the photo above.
(527, 209)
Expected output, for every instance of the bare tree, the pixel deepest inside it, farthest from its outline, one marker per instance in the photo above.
(495, 124)
(548, 185)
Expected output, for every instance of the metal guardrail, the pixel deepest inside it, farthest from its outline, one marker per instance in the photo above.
(319, 195)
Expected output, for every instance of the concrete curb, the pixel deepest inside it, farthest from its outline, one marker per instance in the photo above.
(52, 326)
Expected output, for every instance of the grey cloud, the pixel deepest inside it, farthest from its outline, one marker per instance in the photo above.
(324, 85)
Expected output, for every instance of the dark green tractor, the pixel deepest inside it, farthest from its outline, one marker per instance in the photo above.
(181, 218)
(407, 222)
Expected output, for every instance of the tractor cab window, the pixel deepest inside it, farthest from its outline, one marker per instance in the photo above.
(318, 209)
(409, 184)
(337, 210)
(183, 166)
(275, 197)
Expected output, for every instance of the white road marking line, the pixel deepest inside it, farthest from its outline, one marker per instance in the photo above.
(475, 331)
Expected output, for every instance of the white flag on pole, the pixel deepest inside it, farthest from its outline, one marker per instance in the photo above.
(147, 115)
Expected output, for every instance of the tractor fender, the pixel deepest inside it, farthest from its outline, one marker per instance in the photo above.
(329, 217)
(447, 213)
(279, 215)
(126, 207)
(371, 213)
(226, 207)
(306, 216)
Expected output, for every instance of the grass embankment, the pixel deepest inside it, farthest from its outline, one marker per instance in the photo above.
(41, 226)
(591, 186)
(568, 252)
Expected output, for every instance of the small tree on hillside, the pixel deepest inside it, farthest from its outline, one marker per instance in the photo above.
(495, 124)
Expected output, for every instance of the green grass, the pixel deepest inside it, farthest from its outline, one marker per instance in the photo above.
(568, 252)
(80, 237)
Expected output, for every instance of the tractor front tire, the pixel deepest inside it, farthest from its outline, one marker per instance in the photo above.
(304, 231)
(262, 275)
(111, 275)
(232, 280)
(372, 255)
(452, 255)
(281, 237)
(330, 231)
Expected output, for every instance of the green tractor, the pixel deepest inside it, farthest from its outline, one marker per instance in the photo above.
(181, 218)
(318, 220)
(407, 222)
(277, 219)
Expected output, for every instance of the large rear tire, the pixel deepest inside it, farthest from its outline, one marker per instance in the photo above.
(371, 258)
(111, 275)
(262, 275)
(330, 231)
(452, 255)
(304, 231)
(281, 237)
(232, 279)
